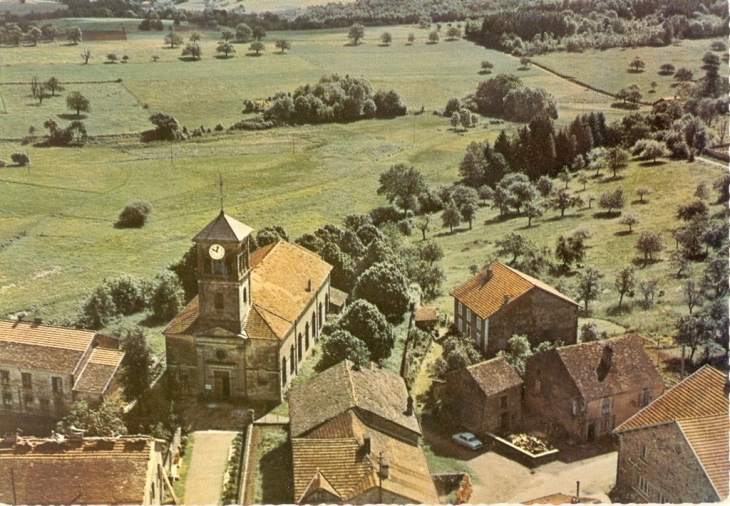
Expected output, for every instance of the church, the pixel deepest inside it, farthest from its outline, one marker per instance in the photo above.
(255, 319)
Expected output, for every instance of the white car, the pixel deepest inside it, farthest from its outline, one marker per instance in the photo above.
(468, 440)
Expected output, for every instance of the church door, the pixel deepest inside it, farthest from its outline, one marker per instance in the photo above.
(222, 384)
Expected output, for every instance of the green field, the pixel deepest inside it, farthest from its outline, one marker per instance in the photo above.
(56, 216)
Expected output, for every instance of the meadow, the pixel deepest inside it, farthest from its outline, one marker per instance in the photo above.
(56, 216)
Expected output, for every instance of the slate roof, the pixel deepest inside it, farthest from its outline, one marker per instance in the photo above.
(699, 406)
(280, 278)
(485, 295)
(42, 347)
(338, 464)
(340, 388)
(631, 367)
(99, 370)
(494, 376)
(92, 471)
(225, 229)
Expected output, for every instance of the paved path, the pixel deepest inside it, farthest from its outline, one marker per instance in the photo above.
(505, 481)
(207, 465)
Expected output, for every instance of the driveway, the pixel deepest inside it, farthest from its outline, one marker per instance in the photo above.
(207, 466)
(504, 481)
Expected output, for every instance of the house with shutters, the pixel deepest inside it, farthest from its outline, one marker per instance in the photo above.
(591, 388)
(677, 449)
(500, 302)
(255, 319)
(44, 368)
(354, 438)
(79, 470)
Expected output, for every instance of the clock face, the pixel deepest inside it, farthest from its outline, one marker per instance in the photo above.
(216, 251)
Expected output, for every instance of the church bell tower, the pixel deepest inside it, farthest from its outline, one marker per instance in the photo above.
(224, 274)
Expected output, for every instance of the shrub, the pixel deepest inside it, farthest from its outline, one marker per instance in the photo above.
(127, 294)
(134, 214)
(167, 297)
(99, 307)
(167, 128)
(20, 158)
(3, 163)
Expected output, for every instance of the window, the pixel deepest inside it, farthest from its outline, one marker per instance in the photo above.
(460, 326)
(292, 360)
(27, 380)
(217, 267)
(468, 314)
(28, 400)
(606, 407)
(45, 405)
(283, 371)
(7, 400)
(5, 377)
(643, 485)
(458, 310)
(503, 402)
(57, 383)
(661, 499)
(468, 329)
(479, 323)
(218, 301)
(573, 408)
(644, 452)
(645, 398)
(245, 296)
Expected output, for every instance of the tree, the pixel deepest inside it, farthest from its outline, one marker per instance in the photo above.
(259, 32)
(565, 176)
(402, 185)
(487, 66)
(194, 37)
(105, 420)
(525, 62)
(34, 33)
(596, 159)
(134, 214)
(693, 331)
(629, 219)
(569, 250)
(411, 38)
(257, 47)
(683, 75)
(625, 282)
(112, 57)
(98, 308)
(339, 346)
(612, 199)
(386, 38)
(226, 48)
(692, 294)
(649, 243)
(136, 373)
(167, 296)
(74, 34)
(50, 32)
(583, 179)
(77, 102)
(688, 212)
(363, 321)
(283, 45)
(243, 32)
(384, 285)
(433, 37)
(128, 294)
(545, 186)
(722, 186)
(517, 351)
(20, 158)
(174, 39)
(423, 223)
(589, 285)
(455, 119)
(193, 50)
(666, 69)
(642, 191)
(533, 210)
(636, 65)
(458, 352)
(226, 35)
(85, 55)
(54, 85)
(648, 287)
(453, 33)
(616, 159)
(654, 149)
(589, 332)
(356, 32)
(563, 200)
(653, 85)
(512, 244)
(450, 217)
(166, 127)
(186, 270)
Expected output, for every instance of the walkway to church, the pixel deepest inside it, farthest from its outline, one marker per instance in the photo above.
(207, 466)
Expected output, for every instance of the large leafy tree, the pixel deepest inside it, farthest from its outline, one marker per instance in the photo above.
(167, 296)
(186, 270)
(136, 373)
(384, 285)
(402, 185)
(364, 322)
(341, 345)
(517, 351)
(458, 352)
(102, 421)
(589, 285)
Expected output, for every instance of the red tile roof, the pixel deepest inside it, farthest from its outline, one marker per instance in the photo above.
(92, 471)
(485, 293)
(699, 405)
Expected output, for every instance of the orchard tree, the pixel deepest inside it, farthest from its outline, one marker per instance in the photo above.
(85, 55)
(565, 176)
(694, 331)
(569, 250)
(625, 282)
(433, 37)
(654, 149)
(533, 210)
(257, 47)
(637, 65)
(642, 191)
(629, 219)
(616, 159)
(112, 57)
(450, 216)
(226, 48)
(283, 45)
(583, 179)
(174, 39)
(589, 285)
(411, 39)
(77, 102)
(226, 35)
(194, 37)
(34, 34)
(402, 185)
(193, 50)
(487, 66)
(244, 32)
(649, 243)
(666, 69)
(612, 199)
(386, 38)
(259, 32)
(54, 85)
(356, 33)
(423, 223)
(384, 285)
(692, 294)
(545, 186)
(683, 75)
(512, 244)
(74, 34)
(453, 33)
(563, 200)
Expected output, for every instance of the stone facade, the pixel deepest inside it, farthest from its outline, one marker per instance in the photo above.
(657, 465)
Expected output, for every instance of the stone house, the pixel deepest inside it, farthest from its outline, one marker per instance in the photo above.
(676, 450)
(43, 368)
(255, 319)
(591, 388)
(500, 302)
(484, 398)
(425, 318)
(354, 437)
(78, 470)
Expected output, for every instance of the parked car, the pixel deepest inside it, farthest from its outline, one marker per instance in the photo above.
(467, 440)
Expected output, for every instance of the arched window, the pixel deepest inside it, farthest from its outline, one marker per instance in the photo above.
(283, 371)
(306, 335)
(314, 325)
(299, 350)
(327, 303)
(245, 295)
(292, 359)
(320, 313)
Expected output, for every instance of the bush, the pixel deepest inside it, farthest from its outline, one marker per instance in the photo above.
(167, 128)
(134, 214)
(99, 307)
(3, 163)
(167, 297)
(20, 158)
(127, 294)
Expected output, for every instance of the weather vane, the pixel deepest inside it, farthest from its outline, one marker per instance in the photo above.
(220, 184)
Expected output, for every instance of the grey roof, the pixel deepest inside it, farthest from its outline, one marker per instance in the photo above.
(341, 388)
(494, 376)
(224, 228)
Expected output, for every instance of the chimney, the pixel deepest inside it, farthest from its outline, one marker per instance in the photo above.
(76, 434)
(366, 444)
(505, 300)
(409, 406)
(489, 273)
(309, 285)
(37, 320)
(576, 499)
(384, 469)
(607, 356)
(20, 316)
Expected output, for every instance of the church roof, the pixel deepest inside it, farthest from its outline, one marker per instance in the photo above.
(225, 229)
